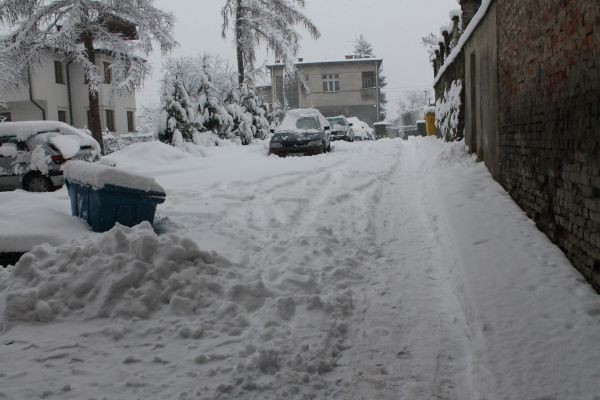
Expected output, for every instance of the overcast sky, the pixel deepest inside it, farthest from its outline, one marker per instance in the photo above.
(394, 28)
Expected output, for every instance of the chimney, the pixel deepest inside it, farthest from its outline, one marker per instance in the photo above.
(435, 60)
(446, 35)
(469, 9)
(349, 57)
(442, 50)
(455, 34)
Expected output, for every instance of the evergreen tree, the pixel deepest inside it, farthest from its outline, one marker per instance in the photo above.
(177, 114)
(125, 28)
(254, 106)
(363, 49)
(272, 22)
(211, 114)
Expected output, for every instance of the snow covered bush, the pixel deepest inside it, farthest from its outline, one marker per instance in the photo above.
(447, 111)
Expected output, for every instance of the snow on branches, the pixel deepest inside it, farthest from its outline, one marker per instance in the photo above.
(200, 94)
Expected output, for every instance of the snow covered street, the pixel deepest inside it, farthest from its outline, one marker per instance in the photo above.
(383, 270)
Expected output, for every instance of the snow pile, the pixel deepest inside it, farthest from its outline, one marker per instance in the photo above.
(68, 145)
(39, 160)
(447, 111)
(166, 284)
(98, 176)
(8, 150)
(30, 219)
(126, 273)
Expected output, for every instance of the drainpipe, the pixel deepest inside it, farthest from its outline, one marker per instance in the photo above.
(69, 92)
(31, 95)
(377, 86)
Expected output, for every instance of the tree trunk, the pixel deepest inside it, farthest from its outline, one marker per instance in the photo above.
(95, 126)
(238, 42)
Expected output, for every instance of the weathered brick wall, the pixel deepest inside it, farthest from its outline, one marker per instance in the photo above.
(549, 127)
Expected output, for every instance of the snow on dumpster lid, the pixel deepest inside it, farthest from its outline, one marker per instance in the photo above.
(98, 176)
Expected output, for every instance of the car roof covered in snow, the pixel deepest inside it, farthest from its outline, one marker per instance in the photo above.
(23, 130)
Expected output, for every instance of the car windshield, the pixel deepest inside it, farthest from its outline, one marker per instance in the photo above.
(336, 121)
(307, 123)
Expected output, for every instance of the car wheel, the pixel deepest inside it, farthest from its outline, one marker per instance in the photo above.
(37, 183)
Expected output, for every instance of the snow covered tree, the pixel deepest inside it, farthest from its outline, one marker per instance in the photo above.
(269, 22)
(363, 49)
(211, 114)
(177, 114)
(254, 106)
(126, 29)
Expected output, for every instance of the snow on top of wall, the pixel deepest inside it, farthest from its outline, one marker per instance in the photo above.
(98, 176)
(455, 13)
(481, 13)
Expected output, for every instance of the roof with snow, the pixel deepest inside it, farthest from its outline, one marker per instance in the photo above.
(379, 61)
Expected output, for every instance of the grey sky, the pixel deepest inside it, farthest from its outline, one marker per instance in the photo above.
(394, 28)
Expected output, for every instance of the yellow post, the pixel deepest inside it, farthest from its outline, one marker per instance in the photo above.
(430, 123)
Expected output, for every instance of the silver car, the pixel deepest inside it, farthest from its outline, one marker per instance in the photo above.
(32, 153)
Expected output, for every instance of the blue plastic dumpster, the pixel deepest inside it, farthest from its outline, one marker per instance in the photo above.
(103, 207)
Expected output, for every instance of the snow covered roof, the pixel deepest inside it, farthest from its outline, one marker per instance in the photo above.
(379, 61)
(481, 13)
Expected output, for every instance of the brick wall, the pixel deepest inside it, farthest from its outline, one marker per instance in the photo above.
(549, 123)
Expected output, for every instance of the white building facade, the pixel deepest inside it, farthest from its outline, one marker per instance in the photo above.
(57, 91)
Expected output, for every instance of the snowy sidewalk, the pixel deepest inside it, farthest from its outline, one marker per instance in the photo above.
(384, 270)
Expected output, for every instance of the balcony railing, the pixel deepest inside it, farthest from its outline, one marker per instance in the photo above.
(369, 93)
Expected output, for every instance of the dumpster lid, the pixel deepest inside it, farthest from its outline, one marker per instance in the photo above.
(98, 176)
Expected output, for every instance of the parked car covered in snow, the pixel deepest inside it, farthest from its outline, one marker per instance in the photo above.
(302, 132)
(32, 153)
(341, 128)
(361, 130)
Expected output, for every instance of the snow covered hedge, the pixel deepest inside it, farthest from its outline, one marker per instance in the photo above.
(447, 111)
(116, 143)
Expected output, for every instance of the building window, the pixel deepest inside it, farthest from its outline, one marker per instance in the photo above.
(331, 82)
(59, 76)
(62, 116)
(110, 120)
(130, 121)
(368, 80)
(5, 117)
(107, 73)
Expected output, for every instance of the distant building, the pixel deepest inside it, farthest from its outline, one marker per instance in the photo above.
(347, 87)
(57, 91)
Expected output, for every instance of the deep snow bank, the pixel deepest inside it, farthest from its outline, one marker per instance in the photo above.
(281, 327)
(127, 272)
